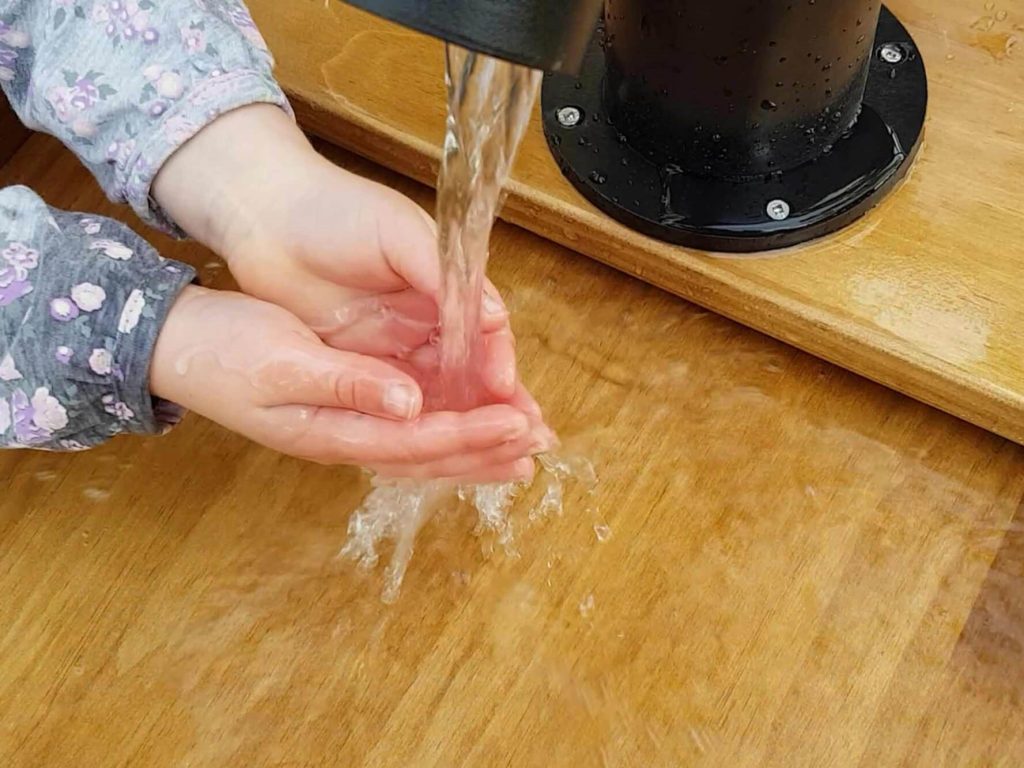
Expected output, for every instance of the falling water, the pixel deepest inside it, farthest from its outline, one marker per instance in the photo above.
(489, 105)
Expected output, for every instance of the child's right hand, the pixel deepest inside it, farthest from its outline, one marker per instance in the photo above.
(258, 370)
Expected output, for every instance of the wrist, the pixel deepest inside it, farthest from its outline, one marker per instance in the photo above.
(223, 182)
(166, 379)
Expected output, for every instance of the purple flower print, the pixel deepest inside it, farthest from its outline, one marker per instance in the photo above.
(194, 37)
(12, 37)
(90, 226)
(124, 19)
(64, 354)
(84, 92)
(37, 419)
(8, 58)
(21, 258)
(120, 152)
(117, 408)
(8, 371)
(72, 101)
(63, 309)
(12, 287)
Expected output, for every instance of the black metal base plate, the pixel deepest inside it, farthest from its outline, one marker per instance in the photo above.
(733, 216)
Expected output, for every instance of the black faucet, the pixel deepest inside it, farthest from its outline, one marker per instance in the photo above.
(734, 125)
(551, 35)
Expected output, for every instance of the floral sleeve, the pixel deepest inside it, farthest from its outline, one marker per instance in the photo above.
(124, 83)
(82, 300)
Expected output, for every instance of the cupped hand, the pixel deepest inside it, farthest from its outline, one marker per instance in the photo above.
(354, 260)
(258, 370)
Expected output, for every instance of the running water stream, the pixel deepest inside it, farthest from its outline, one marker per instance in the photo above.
(489, 106)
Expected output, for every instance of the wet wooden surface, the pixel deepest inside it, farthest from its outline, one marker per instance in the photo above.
(804, 569)
(922, 295)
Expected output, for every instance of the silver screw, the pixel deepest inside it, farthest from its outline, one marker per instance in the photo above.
(778, 210)
(569, 117)
(891, 53)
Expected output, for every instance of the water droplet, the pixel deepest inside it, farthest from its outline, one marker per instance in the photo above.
(587, 606)
(602, 531)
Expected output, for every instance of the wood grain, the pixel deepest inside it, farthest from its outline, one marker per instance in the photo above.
(12, 132)
(923, 295)
(804, 569)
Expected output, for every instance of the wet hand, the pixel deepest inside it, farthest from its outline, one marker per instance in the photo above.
(354, 260)
(258, 370)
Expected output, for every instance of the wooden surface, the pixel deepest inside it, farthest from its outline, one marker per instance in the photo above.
(804, 569)
(924, 295)
(12, 132)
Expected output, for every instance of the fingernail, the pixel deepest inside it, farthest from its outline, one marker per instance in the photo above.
(543, 440)
(492, 306)
(400, 400)
(517, 429)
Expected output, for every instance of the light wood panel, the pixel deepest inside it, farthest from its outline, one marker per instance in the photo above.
(923, 295)
(805, 569)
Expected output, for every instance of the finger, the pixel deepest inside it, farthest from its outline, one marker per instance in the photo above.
(335, 436)
(518, 471)
(408, 241)
(465, 464)
(392, 336)
(495, 314)
(313, 374)
(499, 363)
(409, 244)
(380, 325)
(524, 401)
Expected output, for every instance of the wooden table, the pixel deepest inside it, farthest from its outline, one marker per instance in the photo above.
(923, 295)
(804, 569)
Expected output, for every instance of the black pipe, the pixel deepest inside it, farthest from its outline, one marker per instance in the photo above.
(739, 125)
(734, 88)
(551, 35)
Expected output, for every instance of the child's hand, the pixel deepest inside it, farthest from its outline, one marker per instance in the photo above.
(354, 260)
(256, 369)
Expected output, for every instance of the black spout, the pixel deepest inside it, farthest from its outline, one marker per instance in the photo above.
(551, 35)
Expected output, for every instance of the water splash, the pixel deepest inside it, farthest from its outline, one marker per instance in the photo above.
(489, 105)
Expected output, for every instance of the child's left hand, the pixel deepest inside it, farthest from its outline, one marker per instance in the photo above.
(355, 260)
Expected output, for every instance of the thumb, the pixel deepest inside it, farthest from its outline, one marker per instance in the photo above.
(408, 240)
(315, 374)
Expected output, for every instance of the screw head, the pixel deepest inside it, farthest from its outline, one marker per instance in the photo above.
(569, 117)
(778, 210)
(891, 53)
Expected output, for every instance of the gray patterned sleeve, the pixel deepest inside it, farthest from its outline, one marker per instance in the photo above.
(124, 83)
(82, 300)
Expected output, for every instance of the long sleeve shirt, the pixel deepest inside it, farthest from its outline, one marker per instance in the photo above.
(123, 84)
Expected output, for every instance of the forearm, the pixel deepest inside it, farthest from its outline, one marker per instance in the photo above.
(124, 83)
(82, 301)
